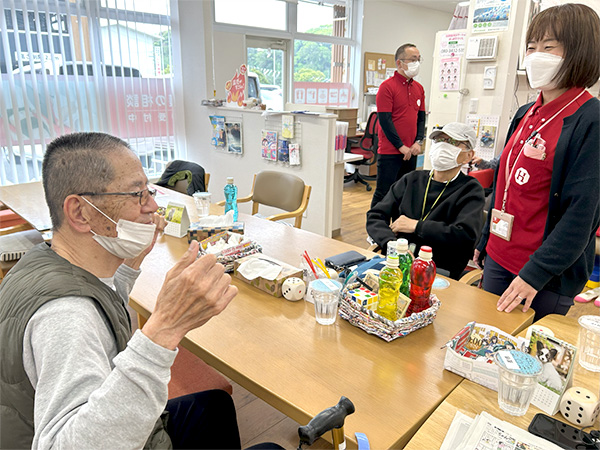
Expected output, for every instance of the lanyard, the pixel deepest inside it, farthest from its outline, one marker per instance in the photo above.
(436, 200)
(508, 174)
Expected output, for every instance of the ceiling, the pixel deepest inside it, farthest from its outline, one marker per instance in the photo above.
(439, 5)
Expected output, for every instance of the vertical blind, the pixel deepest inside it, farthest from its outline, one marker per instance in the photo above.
(84, 65)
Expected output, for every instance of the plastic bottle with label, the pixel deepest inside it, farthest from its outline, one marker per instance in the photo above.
(231, 198)
(390, 279)
(422, 276)
(405, 261)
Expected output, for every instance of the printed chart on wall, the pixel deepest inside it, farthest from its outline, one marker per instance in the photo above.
(491, 15)
(452, 47)
(486, 128)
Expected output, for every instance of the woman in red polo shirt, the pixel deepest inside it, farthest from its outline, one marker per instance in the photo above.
(540, 243)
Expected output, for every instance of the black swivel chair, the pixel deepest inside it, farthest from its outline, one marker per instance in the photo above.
(368, 150)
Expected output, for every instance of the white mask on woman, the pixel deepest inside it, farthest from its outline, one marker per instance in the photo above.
(444, 156)
(541, 69)
(412, 69)
(132, 237)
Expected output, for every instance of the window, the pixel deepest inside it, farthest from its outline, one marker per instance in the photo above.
(252, 13)
(314, 62)
(84, 66)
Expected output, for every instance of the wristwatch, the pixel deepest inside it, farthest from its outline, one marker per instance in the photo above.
(420, 142)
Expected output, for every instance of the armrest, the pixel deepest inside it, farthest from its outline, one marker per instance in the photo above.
(239, 200)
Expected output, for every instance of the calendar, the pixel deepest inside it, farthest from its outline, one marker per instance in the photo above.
(486, 128)
(178, 220)
(558, 360)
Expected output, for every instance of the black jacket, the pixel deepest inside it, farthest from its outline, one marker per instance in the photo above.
(183, 170)
(452, 227)
(565, 260)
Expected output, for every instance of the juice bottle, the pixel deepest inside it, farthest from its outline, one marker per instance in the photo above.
(390, 279)
(422, 276)
(405, 261)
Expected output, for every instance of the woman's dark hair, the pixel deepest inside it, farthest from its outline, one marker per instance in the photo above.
(577, 28)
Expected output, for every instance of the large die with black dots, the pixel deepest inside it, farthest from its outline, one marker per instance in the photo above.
(580, 406)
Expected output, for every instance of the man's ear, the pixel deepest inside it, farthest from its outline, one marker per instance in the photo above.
(77, 213)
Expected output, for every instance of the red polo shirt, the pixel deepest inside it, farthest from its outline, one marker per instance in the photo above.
(529, 188)
(404, 98)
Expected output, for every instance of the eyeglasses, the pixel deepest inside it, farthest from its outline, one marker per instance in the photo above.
(419, 59)
(451, 141)
(144, 195)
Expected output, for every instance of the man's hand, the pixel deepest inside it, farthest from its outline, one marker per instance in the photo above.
(136, 262)
(476, 160)
(514, 294)
(404, 224)
(476, 255)
(406, 151)
(194, 291)
(415, 149)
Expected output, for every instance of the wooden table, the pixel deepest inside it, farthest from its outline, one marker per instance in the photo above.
(27, 200)
(471, 398)
(276, 350)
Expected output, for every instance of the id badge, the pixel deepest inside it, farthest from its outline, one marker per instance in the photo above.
(501, 224)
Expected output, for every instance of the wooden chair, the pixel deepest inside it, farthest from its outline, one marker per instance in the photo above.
(279, 190)
(472, 278)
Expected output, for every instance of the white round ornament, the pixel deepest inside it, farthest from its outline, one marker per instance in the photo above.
(293, 289)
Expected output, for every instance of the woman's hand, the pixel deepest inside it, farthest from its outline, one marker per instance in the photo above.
(514, 294)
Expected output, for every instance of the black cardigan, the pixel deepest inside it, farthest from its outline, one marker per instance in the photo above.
(452, 227)
(565, 260)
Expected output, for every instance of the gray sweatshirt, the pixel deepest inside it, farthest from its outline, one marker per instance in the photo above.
(87, 395)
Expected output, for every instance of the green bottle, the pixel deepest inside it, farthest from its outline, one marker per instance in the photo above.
(405, 261)
(390, 279)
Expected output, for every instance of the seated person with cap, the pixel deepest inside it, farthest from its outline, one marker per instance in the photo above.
(442, 208)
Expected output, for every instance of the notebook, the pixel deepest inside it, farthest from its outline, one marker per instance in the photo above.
(15, 245)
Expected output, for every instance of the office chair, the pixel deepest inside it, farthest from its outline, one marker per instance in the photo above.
(279, 190)
(185, 177)
(368, 150)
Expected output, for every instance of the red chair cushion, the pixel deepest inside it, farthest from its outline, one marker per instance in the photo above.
(364, 153)
(485, 177)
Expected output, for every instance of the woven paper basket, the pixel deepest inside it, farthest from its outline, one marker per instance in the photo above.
(373, 323)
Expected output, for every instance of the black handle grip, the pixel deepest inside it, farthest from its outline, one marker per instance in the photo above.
(326, 420)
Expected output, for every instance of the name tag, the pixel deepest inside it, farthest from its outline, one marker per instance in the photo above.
(501, 224)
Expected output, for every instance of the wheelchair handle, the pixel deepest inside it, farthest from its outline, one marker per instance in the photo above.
(326, 420)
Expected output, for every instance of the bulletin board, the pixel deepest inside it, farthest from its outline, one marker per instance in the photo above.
(378, 67)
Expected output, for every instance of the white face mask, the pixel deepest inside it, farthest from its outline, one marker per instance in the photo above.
(541, 69)
(412, 69)
(132, 237)
(444, 155)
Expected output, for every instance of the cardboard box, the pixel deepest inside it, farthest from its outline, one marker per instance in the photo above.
(198, 233)
(344, 113)
(272, 287)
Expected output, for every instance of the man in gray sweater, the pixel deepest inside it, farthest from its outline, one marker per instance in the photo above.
(71, 374)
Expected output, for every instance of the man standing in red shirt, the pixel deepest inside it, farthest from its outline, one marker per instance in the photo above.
(401, 124)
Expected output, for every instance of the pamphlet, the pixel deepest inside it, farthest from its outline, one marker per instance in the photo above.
(269, 145)
(287, 126)
(234, 137)
(218, 140)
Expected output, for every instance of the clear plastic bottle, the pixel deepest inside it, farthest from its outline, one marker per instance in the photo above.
(390, 279)
(231, 198)
(422, 276)
(405, 261)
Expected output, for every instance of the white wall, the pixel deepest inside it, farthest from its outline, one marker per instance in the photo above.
(387, 24)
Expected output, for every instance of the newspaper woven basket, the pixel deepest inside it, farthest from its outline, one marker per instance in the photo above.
(373, 323)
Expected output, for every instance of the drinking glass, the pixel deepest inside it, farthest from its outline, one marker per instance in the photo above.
(589, 342)
(326, 295)
(202, 200)
(518, 375)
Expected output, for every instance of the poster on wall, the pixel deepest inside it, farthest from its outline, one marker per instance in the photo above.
(449, 74)
(491, 15)
(322, 93)
(452, 44)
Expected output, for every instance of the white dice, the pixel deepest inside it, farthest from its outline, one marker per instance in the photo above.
(580, 406)
(293, 289)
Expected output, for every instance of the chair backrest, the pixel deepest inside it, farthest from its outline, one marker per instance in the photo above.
(485, 177)
(277, 189)
(175, 170)
(370, 139)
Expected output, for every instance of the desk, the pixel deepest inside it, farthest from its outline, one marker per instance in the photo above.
(276, 350)
(471, 398)
(27, 200)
